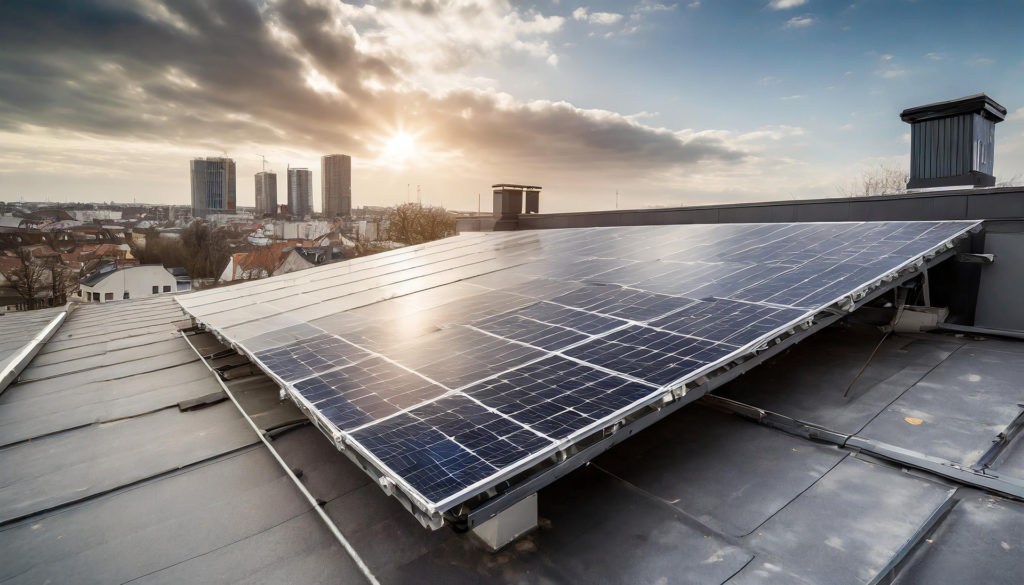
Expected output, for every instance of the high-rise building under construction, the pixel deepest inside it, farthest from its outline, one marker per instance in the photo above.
(213, 186)
(266, 193)
(300, 192)
(336, 185)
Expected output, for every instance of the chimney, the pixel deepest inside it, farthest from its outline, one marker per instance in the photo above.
(508, 204)
(952, 143)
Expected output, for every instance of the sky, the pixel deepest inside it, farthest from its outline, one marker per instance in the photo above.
(661, 103)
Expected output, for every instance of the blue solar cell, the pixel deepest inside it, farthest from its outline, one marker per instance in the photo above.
(588, 323)
(556, 396)
(655, 356)
(304, 358)
(732, 322)
(536, 333)
(625, 303)
(460, 355)
(365, 392)
(448, 444)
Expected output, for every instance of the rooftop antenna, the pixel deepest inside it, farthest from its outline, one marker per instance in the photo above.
(616, 199)
(264, 162)
(419, 200)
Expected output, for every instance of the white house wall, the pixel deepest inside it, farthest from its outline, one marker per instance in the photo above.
(138, 281)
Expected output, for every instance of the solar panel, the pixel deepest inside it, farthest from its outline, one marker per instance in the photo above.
(456, 365)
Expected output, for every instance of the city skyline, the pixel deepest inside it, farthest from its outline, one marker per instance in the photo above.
(664, 103)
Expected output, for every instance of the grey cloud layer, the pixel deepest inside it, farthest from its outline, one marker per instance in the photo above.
(231, 72)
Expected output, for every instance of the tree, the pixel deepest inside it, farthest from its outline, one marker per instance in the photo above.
(412, 223)
(168, 252)
(63, 282)
(27, 278)
(883, 180)
(206, 251)
(260, 263)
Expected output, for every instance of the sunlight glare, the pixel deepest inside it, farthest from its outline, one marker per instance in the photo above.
(400, 147)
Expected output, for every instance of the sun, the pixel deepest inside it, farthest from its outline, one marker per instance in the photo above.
(400, 147)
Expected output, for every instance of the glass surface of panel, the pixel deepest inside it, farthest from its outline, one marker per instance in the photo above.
(455, 364)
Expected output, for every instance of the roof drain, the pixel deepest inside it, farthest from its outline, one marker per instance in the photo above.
(316, 505)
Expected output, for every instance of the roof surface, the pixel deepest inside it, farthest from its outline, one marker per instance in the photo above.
(123, 462)
(21, 335)
(109, 479)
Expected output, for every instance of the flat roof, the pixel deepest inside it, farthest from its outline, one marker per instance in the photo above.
(124, 462)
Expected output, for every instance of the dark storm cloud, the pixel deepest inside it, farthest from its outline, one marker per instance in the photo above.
(227, 72)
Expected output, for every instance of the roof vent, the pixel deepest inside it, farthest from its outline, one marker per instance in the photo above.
(952, 143)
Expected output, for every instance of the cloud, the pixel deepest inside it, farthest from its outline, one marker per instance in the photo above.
(771, 133)
(799, 22)
(888, 68)
(785, 4)
(1016, 115)
(694, 4)
(638, 16)
(793, 98)
(314, 76)
(600, 18)
(649, 6)
(605, 18)
(934, 56)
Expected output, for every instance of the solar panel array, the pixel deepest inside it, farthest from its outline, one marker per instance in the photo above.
(456, 364)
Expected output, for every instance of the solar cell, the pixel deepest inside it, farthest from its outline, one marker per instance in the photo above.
(455, 365)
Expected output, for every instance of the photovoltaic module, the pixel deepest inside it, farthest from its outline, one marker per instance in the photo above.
(455, 365)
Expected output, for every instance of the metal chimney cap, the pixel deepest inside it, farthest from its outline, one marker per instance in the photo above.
(514, 186)
(978, 103)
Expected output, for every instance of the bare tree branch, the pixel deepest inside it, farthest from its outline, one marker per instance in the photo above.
(412, 223)
(884, 180)
(27, 278)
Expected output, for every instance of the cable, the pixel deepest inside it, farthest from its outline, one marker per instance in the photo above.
(302, 488)
(901, 302)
